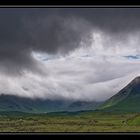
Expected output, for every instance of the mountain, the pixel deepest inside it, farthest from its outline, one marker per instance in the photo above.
(126, 100)
(83, 105)
(14, 103)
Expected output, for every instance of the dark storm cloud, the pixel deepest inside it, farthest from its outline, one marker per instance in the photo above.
(25, 30)
(57, 33)
(110, 19)
(56, 30)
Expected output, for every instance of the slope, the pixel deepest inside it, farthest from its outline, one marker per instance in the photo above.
(126, 100)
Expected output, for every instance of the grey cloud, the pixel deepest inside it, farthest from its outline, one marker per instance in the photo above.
(25, 30)
(54, 34)
(56, 30)
(110, 19)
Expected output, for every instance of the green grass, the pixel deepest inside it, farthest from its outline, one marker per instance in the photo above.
(84, 122)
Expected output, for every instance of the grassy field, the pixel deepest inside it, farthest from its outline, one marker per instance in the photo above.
(84, 122)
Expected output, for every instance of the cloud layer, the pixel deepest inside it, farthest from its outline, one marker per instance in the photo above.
(93, 73)
(68, 53)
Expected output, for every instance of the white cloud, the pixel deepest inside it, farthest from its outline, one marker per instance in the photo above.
(93, 72)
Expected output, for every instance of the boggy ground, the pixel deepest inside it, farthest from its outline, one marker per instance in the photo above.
(83, 122)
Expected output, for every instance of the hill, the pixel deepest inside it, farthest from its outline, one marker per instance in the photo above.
(9, 103)
(126, 100)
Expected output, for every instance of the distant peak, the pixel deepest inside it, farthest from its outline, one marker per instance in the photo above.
(137, 79)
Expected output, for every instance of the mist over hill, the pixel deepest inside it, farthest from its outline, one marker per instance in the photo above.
(10, 103)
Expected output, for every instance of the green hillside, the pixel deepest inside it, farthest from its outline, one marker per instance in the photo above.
(11, 103)
(127, 100)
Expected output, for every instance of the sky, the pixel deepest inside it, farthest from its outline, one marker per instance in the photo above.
(86, 54)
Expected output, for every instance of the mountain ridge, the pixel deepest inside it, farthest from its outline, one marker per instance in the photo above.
(24, 104)
(127, 99)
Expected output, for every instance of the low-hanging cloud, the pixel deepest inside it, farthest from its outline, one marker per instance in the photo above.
(69, 53)
(82, 74)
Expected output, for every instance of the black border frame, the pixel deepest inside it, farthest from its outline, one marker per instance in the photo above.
(69, 4)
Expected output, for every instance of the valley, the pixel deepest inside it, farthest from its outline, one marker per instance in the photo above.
(68, 122)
